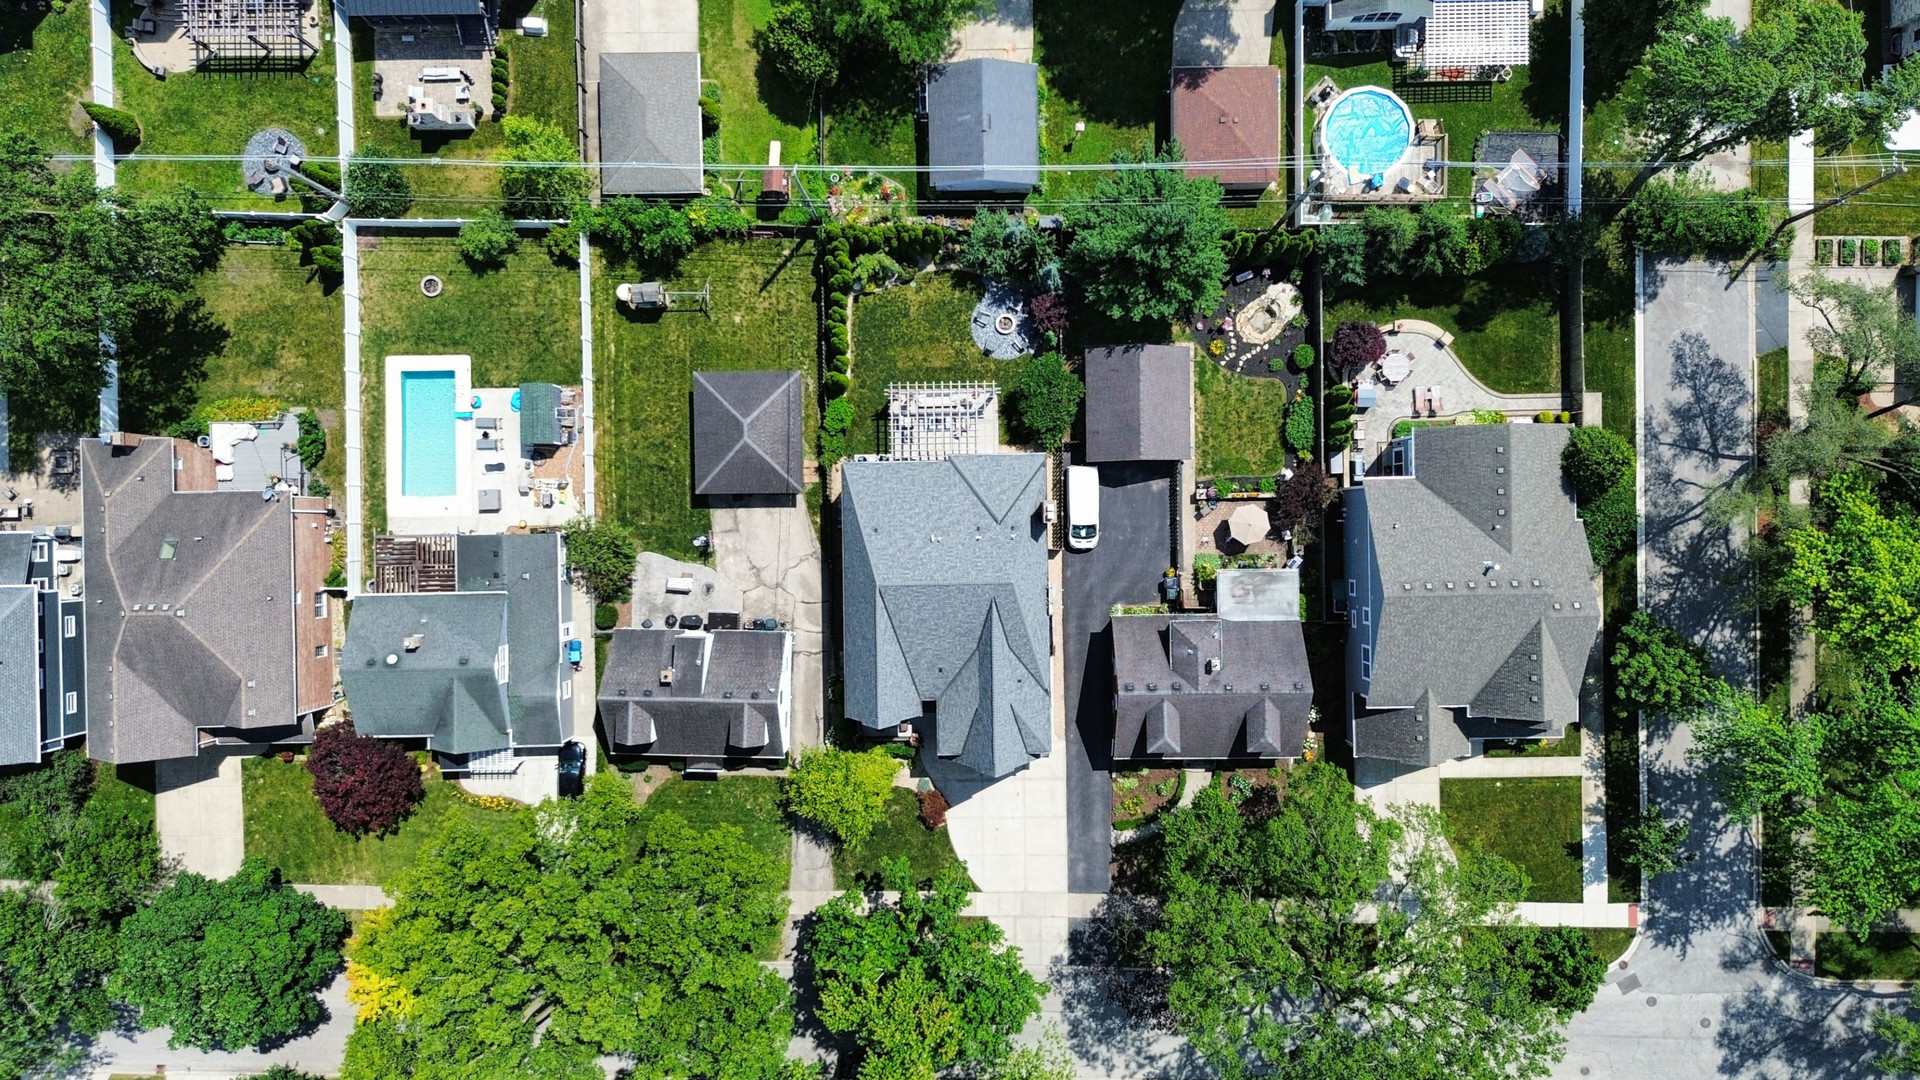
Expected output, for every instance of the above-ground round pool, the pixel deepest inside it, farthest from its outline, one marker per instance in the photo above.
(1367, 130)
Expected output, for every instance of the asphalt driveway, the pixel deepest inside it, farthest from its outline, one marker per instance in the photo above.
(1124, 568)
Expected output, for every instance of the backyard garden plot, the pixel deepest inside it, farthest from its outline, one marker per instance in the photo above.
(216, 113)
(763, 317)
(1533, 822)
(918, 333)
(520, 323)
(44, 73)
(1505, 320)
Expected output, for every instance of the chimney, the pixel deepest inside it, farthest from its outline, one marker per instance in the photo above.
(666, 676)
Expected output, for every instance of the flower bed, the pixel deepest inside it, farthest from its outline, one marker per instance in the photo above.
(1140, 795)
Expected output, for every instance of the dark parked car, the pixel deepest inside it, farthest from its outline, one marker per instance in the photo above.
(573, 770)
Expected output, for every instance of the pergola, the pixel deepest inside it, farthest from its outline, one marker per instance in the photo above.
(1476, 33)
(247, 34)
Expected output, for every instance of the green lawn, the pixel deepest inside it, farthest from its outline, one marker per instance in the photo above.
(1889, 209)
(44, 71)
(878, 138)
(1773, 386)
(1534, 822)
(763, 318)
(1467, 110)
(1505, 320)
(756, 106)
(286, 827)
(282, 338)
(1239, 418)
(543, 86)
(194, 113)
(1610, 943)
(1607, 343)
(752, 803)
(916, 333)
(1102, 63)
(520, 323)
(928, 851)
(1880, 956)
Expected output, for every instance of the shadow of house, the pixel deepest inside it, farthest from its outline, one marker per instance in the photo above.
(476, 21)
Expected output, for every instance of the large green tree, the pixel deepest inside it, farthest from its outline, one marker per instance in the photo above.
(816, 43)
(1859, 572)
(1273, 970)
(52, 969)
(1799, 65)
(228, 964)
(533, 949)
(544, 188)
(1148, 245)
(921, 988)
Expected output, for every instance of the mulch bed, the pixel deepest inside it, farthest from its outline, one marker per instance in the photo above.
(1125, 808)
(1265, 362)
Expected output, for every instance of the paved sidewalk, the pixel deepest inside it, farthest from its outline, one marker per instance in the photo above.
(318, 1051)
(349, 897)
(773, 557)
(197, 810)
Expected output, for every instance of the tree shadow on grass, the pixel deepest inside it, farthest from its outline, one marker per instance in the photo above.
(162, 367)
(17, 25)
(1106, 57)
(1549, 58)
(789, 103)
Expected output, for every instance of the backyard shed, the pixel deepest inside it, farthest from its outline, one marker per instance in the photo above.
(983, 126)
(476, 21)
(650, 114)
(746, 433)
(1227, 120)
(1139, 403)
(540, 415)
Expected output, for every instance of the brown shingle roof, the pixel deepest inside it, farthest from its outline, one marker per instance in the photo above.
(1229, 115)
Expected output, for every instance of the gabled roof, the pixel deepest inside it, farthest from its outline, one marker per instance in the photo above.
(983, 125)
(746, 433)
(944, 587)
(156, 676)
(1139, 403)
(19, 674)
(1487, 602)
(1227, 121)
(723, 702)
(650, 115)
(1202, 688)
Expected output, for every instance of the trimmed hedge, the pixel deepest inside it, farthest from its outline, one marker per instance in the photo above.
(121, 126)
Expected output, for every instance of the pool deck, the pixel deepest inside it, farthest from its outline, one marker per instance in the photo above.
(505, 468)
(1426, 145)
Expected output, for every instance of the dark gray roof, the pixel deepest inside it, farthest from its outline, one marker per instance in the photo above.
(746, 433)
(511, 601)
(650, 114)
(944, 582)
(16, 557)
(377, 9)
(155, 676)
(725, 701)
(539, 415)
(1455, 642)
(1139, 403)
(983, 126)
(19, 674)
(1169, 705)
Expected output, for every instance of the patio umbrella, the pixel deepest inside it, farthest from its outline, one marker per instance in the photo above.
(1248, 525)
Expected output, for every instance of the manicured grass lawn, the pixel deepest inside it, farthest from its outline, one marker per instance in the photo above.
(194, 113)
(1609, 942)
(1880, 956)
(544, 79)
(1773, 386)
(879, 139)
(519, 323)
(1563, 747)
(1533, 821)
(1239, 418)
(283, 339)
(1888, 209)
(928, 851)
(44, 71)
(1505, 321)
(1467, 110)
(1607, 344)
(916, 333)
(763, 318)
(751, 803)
(1104, 64)
(755, 104)
(286, 827)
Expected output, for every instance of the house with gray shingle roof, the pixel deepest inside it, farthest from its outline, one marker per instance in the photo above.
(944, 605)
(1139, 403)
(43, 693)
(202, 620)
(1204, 688)
(650, 118)
(983, 126)
(1470, 595)
(474, 669)
(746, 433)
(711, 697)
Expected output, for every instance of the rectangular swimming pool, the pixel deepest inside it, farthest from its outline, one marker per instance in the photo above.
(427, 434)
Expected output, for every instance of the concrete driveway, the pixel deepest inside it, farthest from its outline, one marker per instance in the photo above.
(1003, 32)
(197, 810)
(1224, 33)
(1125, 567)
(1701, 995)
(630, 26)
(770, 553)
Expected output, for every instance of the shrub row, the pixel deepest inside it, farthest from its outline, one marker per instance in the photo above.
(905, 242)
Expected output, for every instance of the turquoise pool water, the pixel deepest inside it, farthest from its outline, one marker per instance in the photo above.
(427, 434)
(1367, 130)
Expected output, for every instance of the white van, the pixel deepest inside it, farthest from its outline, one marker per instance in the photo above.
(1083, 507)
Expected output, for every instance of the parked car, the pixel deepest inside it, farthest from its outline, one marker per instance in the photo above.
(1083, 507)
(573, 770)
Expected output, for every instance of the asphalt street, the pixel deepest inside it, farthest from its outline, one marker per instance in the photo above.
(1700, 994)
(1123, 568)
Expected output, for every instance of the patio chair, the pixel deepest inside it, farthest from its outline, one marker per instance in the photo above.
(1420, 400)
(1427, 130)
(1404, 187)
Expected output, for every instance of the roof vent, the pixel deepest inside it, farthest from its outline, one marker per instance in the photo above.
(1298, 685)
(666, 676)
(1556, 605)
(1229, 688)
(1266, 686)
(755, 695)
(1213, 664)
(1515, 583)
(646, 693)
(179, 613)
(1429, 586)
(392, 659)
(1175, 684)
(465, 660)
(1576, 605)
(1406, 586)
(1153, 686)
(1129, 688)
(728, 694)
(1449, 584)
(1536, 583)
(413, 642)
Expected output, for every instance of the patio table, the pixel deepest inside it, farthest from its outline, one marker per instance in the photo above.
(1396, 365)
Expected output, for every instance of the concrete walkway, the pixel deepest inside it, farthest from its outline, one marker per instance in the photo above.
(349, 897)
(197, 810)
(1003, 32)
(101, 31)
(318, 1051)
(770, 553)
